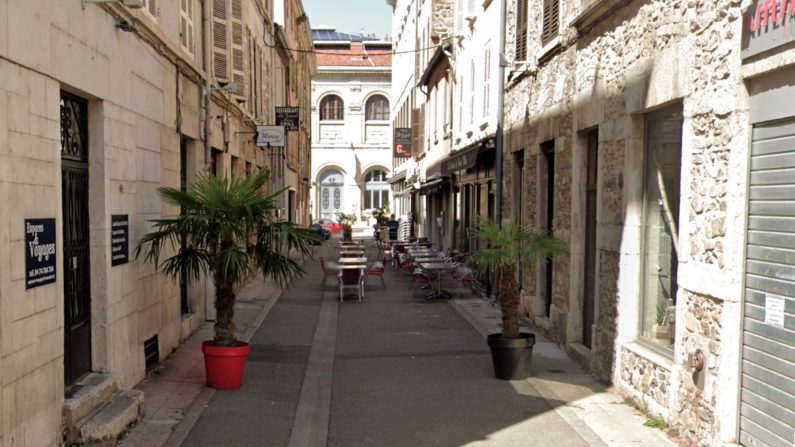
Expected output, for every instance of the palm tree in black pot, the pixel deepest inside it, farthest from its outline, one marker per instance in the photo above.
(504, 247)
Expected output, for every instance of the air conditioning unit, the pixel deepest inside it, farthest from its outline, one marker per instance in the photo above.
(133, 3)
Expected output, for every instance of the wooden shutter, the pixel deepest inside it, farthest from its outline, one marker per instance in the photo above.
(220, 41)
(151, 7)
(520, 51)
(549, 29)
(458, 26)
(486, 79)
(238, 49)
(186, 25)
(421, 131)
(415, 133)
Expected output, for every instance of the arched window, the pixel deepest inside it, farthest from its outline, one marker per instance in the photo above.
(377, 108)
(376, 189)
(332, 108)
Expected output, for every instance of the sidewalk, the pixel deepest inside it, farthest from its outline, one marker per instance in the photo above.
(393, 370)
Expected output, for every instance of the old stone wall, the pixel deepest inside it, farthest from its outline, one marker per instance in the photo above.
(641, 56)
(646, 376)
(697, 396)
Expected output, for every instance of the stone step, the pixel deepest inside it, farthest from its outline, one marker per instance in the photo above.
(83, 398)
(103, 427)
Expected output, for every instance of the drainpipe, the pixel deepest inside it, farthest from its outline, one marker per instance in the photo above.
(207, 86)
(500, 105)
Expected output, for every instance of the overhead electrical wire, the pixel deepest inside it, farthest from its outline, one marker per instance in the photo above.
(373, 52)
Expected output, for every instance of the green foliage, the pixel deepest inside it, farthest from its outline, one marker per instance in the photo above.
(382, 214)
(509, 244)
(230, 230)
(662, 307)
(656, 422)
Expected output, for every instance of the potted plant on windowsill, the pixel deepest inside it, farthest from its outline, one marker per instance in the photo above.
(504, 247)
(661, 331)
(346, 220)
(230, 230)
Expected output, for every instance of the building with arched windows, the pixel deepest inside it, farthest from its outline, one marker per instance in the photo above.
(351, 130)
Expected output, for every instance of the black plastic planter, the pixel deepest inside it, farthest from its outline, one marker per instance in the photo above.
(512, 356)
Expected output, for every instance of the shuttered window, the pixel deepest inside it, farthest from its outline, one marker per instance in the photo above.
(220, 41)
(418, 130)
(238, 49)
(549, 29)
(520, 51)
(486, 79)
(152, 8)
(186, 35)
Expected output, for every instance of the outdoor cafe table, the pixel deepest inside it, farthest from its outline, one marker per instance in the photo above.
(351, 253)
(436, 267)
(349, 260)
(427, 258)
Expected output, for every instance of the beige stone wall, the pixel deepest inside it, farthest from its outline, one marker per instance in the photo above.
(605, 76)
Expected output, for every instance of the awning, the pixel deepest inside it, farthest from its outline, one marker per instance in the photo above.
(432, 186)
(400, 176)
(462, 160)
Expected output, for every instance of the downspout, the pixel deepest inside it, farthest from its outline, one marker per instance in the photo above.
(500, 105)
(207, 86)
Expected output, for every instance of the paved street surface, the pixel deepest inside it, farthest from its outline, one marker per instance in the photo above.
(393, 370)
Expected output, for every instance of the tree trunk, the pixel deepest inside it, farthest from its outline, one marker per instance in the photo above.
(509, 301)
(224, 313)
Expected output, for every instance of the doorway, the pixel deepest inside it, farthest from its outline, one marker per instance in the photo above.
(76, 252)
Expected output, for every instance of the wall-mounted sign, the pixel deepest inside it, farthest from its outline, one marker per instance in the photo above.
(774, 310)
(767, 24)
(39, 252)
(270, 136)
(119, 239)
(402, 143)
(287, 117)
(460, 161)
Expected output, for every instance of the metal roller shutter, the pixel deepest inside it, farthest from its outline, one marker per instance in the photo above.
(767, 407)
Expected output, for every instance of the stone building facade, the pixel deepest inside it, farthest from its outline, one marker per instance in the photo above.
(351, 101)
(100, 105)
(627, 130)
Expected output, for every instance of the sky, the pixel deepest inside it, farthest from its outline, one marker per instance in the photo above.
(351, 16)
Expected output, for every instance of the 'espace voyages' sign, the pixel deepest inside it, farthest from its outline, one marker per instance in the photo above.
(39, 252)
(119, 239)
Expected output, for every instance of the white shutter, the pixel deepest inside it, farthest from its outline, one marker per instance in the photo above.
(238, 49)
(458, 27)
(220, 41)
(186, 25)
(152, 9)
(486, 79)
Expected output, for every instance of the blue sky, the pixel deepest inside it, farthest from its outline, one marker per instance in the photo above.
(351, 16)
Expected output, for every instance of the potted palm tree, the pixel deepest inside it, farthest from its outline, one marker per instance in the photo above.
(227, 230)
(505, 246)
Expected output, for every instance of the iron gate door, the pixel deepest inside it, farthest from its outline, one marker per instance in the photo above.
(767, 404)
(77, 287)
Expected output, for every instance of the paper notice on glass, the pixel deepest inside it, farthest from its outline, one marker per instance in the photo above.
(774, 310)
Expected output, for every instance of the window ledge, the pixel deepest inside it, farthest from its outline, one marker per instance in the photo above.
(332, 121)
(640, 349)
(594, 13)
(549, 49)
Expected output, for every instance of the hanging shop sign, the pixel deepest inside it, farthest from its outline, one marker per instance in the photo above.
(767, 24)
(119, 239)
(402, 143)
(270, 136)
(39, 252)
(287, 117)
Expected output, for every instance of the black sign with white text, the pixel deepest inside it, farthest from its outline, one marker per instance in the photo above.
(39, 252)
(402, 142)
(119, 239)
(287, 117)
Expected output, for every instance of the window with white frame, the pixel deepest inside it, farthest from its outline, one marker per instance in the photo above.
(376, 189)
(376, 109)
(661, 193)
(332, 108)
(186, 34)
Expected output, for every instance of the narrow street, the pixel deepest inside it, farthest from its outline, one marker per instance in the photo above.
(393, 370)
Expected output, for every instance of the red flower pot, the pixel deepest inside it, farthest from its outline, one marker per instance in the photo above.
(224, 365)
